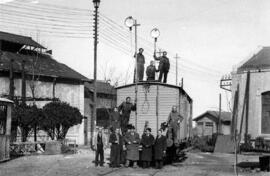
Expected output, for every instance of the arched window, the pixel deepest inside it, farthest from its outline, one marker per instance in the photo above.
(265, 121)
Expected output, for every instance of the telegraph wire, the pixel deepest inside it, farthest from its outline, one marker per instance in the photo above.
(111, 28)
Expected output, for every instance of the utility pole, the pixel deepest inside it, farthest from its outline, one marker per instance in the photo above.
(93, 120)
(176, 78)
(219, 115)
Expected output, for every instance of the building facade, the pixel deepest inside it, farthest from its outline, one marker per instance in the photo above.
(252, 79)
(28, 73)
(106, 100)
(207, 123)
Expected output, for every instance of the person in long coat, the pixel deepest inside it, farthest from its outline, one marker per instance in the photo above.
(174, 120)
(125, 109)
(115, 119)
(132, 140)
(99, 145)
(147, 143)
(151, 71)
(159, 149)
(163, 67)
(116, 142)
(140, 65)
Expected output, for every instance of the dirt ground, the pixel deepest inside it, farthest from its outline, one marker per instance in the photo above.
(197, 164)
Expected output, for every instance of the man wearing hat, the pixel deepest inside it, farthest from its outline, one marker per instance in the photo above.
(132, 140)
(159, 149)
(116, 143)
(99, 145)
(147, 143)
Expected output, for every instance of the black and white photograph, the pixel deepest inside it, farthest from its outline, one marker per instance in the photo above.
(135, 88)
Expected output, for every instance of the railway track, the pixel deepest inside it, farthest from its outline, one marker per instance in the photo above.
(128, 174)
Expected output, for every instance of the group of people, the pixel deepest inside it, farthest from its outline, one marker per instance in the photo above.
(163, 67)
(127, 146)
(125, 149)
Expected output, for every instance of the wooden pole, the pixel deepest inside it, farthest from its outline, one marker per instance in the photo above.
(247, 105)
(176, 69)
(94, 117)
(157, 107)
(11, 80)
(219, 116)
(136, 73)
(23, 83)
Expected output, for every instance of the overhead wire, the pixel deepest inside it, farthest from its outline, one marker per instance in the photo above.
(110, 25)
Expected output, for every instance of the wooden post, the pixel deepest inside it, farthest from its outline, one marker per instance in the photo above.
(11, 80)
(23, 83)
(219, 116)
(176, 77)
(190, 118)
(235, 112)
(247, 104)
(157, 106)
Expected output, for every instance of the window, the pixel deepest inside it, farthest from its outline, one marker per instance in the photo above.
(265, 121)
(200, 123)
(3, 119)
(209, 124)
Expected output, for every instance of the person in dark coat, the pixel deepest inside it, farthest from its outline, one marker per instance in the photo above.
(140, 65)
(151, 71)
(160, 149)
(99, 144)
(174, 120)
(164, 66)
(147, 143)
(132, 140)
(116, 142)
(125, 109)
(115, 119)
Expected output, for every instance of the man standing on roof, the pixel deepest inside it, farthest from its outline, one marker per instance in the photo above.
(164, 66)
(140, 61)
(174, 121)
(151, 71)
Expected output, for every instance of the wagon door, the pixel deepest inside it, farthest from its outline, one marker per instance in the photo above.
(265, 121)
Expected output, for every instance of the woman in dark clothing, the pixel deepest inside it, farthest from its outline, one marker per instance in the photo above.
(160, 149)
(147, 143)
(116, 142)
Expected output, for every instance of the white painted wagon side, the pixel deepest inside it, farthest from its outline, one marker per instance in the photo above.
(154, 103)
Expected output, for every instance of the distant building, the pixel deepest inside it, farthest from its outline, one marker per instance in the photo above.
(207, 123)
(258, 96)
(154, 103)
(106, 100)
(24, 64)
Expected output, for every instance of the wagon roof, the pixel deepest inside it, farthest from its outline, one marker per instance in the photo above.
(158, 83)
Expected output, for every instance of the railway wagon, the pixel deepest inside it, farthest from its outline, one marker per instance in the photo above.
(154, 103)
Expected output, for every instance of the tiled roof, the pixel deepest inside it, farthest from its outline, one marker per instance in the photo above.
(45, 66)
(225, 116)
(23, 40)
(261, 60)
(102, 87)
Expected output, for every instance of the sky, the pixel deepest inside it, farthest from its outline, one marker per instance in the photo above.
(211, 37)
